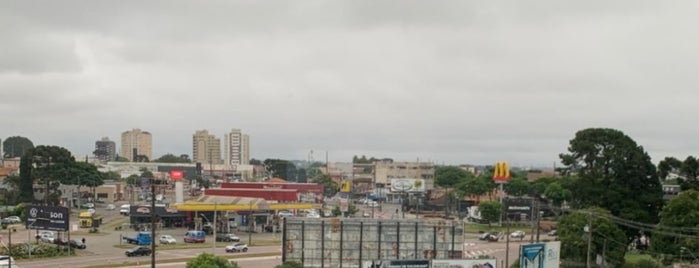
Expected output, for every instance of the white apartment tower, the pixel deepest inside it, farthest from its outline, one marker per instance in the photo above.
(236, 148)
(206, 148)
(138, 142)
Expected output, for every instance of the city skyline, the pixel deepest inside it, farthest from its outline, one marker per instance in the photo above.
(441, 81)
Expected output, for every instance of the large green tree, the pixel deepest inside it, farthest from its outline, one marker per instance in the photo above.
(668, 165)
(281, 169)
(206, 260)
(330, 188)
(450, 176)
(517, 187)
(42, 164)
(16, 146)
(607, 238)
(490, 211)
(614, 173)
(678, 224)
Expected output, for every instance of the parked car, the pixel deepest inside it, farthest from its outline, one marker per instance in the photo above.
(110, 207)
(11, 220)
(553, 233)
(490, 237)
(230, 237)
(517, 234)
(73, 243)
(167, 239)
(138, 251)
(373, 204)
(237, 247)
(88, 205)
(47, 236)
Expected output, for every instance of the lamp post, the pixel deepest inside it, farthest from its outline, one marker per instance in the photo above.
(250, 225)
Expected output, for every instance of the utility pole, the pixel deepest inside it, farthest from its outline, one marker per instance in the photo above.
(589, 237)
(152, 223)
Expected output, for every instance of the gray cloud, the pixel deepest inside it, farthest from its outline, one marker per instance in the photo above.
(447, 81)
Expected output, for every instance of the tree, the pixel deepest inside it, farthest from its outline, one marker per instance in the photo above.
(607, 238)
(517, 187)
(667, 165)
(330, 188)
(490, 211)
(557, 194)
(290, 264)
(171, 158)
(206, 260)
(281, 169)
(678, 224)
(614, 173)
(41, 164)
(450, 176)
(16, 146)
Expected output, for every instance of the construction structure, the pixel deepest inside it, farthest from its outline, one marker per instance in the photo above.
(351, 242)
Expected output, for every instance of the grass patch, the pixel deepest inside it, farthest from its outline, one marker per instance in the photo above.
(636, 257)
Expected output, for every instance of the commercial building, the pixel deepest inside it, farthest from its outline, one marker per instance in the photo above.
(136, 143)
(384, 171)
(105, 150)
(206, 148)
(236, 148)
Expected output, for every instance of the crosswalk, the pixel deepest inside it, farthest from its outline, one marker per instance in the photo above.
(469, 254)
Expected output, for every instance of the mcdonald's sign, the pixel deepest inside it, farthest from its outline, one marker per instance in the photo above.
(501, 174)
(345, 187)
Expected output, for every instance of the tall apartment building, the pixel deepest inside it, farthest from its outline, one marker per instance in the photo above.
(236, 148)
(206, 148)
(136, 142)
(105, 150)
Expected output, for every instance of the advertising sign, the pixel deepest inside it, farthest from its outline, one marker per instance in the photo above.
(407, 185)
(47, 218)
(553, 254)
(532, 256)
(501, 174)
(176, 174)
(344, 205)
(482, 263)
(346, 187)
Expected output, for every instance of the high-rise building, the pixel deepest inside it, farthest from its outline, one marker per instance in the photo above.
(105, 149)
(236, 148)
(136, 143)
(206, 148)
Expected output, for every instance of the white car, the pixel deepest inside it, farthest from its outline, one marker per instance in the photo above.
(167, 239)
(47, 236)
(373, 204)
(517, 234)
(125, 209)
(237, 247)
(285, 213)
(111, 207)
(314, 215)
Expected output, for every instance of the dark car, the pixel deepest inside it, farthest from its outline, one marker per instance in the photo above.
(227, 238)
(139, 251)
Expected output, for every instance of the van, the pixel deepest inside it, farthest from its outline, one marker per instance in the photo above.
(125, 209)
(195, 237)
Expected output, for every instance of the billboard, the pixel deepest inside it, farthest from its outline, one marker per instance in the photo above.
(346, 187)
(407, 185)
(482, 263)
(397, 264)
(176, 174)
(541, 255)
(47, 218)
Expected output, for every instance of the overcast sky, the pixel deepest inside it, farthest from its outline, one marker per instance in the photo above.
(445, 81)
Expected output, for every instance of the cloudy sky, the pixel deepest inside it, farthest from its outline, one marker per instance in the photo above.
(445, 81)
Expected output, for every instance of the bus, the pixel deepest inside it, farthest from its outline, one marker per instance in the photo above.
(195, 237)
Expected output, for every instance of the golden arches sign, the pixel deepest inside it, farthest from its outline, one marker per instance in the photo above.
(502, 172)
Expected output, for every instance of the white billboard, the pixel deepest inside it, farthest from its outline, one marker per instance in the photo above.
(407, 185)
(482, 263)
